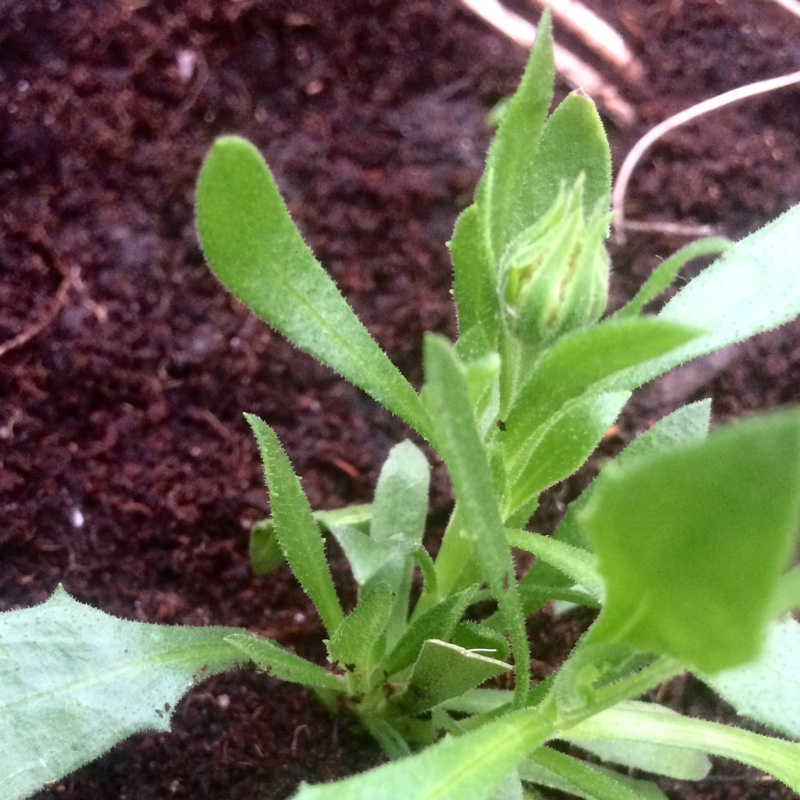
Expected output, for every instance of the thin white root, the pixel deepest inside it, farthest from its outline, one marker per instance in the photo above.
(574, 71)
(712, 104)
(790, 5)
(597, 34)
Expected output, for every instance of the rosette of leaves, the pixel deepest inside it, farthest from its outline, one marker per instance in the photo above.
(683, 543)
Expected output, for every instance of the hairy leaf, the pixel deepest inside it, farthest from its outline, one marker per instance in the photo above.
(74, 681)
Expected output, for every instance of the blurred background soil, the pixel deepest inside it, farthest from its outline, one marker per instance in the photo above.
(127, 472)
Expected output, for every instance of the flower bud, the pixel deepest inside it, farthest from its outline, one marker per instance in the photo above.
(554, 275)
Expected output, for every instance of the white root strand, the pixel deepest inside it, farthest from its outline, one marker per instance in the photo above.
(682, 117)
(576, 72)
(597, 34)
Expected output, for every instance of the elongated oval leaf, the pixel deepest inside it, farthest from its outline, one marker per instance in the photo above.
(692, 542)
(465, 768)
(74, 681)
(754, 287)
(295, 528)
(254, 248)
(647, 722)
(447, 397)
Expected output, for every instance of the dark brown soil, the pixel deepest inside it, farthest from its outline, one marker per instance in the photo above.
(127, 471)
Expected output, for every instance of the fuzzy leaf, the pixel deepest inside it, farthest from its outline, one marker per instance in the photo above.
(445, 670)
(664, 274)
(768, 690)
(358, 637)
(691, 542)
(74, 681)
(753, 287)
(254, 248)
(283, 664)
(468, 767)
(634, 721)
(447, 397)
(297, 532)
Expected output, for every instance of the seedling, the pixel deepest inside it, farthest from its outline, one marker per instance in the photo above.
(683, 543)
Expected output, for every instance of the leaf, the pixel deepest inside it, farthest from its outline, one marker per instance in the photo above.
(768, 690)
(575, 562)
(689, 423)
(680, 763)
(468, 767)
(74, 681)
(556, 770)
(438, 622)
(474, 282)
(265, 551)
(664, 274)
(579, 364)
(359, 637)
(754, 287)
(562, 449)
(573, 143)
(298, 535)
(254, 248)
(503, 195)
(283, 664)
(445, 670)
(365, 556)
(401, 496)
(634, 721)
(447, 398)
(692, 542)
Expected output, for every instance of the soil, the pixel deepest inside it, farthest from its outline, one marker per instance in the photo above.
(127, 471)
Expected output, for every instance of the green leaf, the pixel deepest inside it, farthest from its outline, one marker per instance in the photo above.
(573, 143)
(754, 287)
(438, 622)
(447, 397)
(557, 770)
(585, 362)
(686, 424)
(265, 550)
(468, 767)
(474, 282)
(358, 638)
(74, 681)
(562, 448)
(365, 556)
(681, 763)
(283, 664)
(664, 274)
(768, 690)
(445, 670)
(634, 721)
(298, 534)
(254, 248)
(787, 596)
(401, 496)
(481, 639)
(503, 196)
(692, 542)
(575, 562)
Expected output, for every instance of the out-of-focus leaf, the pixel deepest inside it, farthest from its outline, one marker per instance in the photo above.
(692, 541)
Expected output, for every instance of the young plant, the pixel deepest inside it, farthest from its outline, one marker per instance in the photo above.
(683, 543)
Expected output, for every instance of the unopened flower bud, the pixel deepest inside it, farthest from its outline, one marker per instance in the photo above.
(554, 276)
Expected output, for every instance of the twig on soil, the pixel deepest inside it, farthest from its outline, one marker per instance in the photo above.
(576, 72)
(596, 34)
(675, 121)
(51, 312)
